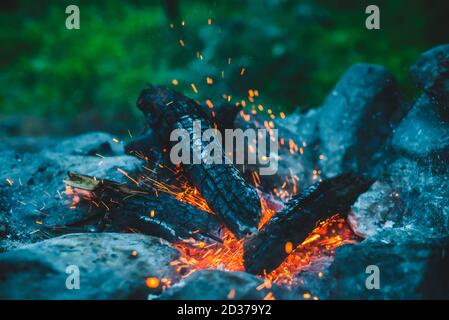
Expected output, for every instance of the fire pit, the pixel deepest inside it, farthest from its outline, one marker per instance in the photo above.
(360, 192)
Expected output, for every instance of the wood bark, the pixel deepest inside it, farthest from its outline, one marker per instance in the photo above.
(266, 250)
(230, 197)
(157, 214)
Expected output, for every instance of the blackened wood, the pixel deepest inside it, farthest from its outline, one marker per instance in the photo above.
(222, 114)
(159, 214)
(266, 250)
(230, 197)
(144, 145)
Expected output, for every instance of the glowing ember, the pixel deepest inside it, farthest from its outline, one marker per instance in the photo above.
(325, 238)
(228, 255)
(191, 195)
(323, 241)
(152, 282)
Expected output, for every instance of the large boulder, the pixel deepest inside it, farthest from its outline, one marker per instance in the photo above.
(423, 134)
(379, 208)
(431, 73)
(414, 188)
(413, 191)
(111, 266)
(410, 195)
(356, 120)
(408, 268)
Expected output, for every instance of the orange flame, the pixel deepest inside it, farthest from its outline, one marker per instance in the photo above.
(324, 239)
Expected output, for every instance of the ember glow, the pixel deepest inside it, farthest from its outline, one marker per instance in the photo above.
(228, 254)
(322, 242)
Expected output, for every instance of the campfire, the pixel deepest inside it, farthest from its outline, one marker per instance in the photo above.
(364, 169)
(216, 218)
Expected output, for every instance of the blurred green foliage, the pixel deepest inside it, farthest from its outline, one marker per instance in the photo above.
(293, 52)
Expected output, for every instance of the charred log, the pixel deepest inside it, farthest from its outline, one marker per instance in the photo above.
(266, 250)
(223, 115)
(157, 214)
(146, 145)
(230, 197)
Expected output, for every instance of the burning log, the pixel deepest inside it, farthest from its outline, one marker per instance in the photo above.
(157, 214)
(229, 196)
(266, 250)
(146, 144)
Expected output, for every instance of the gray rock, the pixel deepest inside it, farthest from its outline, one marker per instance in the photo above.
(423, 133)
(431, 73)
(408, 270)
(414, 188)
(312, 279)
(356, 119)
(107, 269)
(410, 195)
(90, 144)
(3, 225)
(36, 199)
(379, 208)
(217, 285)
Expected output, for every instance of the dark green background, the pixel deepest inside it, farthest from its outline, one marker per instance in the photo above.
(59, 81)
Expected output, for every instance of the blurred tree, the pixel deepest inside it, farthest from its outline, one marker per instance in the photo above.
(292, 52)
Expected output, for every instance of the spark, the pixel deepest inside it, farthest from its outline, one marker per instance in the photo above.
(209, 104)
(288, 247)
(269, 296)
(194, 88)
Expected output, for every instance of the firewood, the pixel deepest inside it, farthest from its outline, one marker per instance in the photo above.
(266, 250)
(223, 114)
(230, 197)
(144, 145)
(157, 214)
